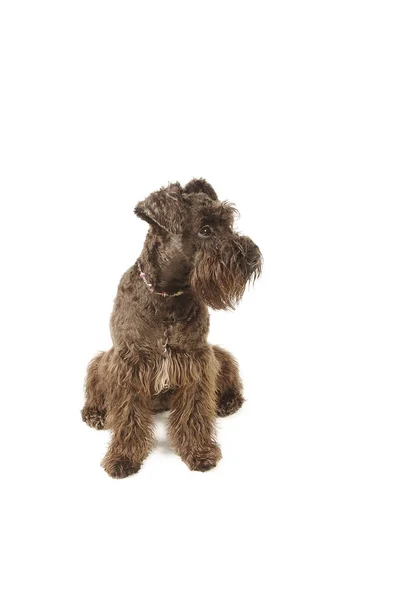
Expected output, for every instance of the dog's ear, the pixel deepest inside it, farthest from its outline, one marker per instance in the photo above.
(164, 208)
(200, 185)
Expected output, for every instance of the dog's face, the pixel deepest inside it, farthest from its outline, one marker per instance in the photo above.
(194, 235)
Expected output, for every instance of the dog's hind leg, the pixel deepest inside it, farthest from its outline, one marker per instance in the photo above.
(229, 384)
(94, 412)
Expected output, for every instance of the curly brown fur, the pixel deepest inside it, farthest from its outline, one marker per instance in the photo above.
(160, 359)
(229, 384)
(94, 412)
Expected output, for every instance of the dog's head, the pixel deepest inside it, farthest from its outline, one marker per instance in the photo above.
(194, 231)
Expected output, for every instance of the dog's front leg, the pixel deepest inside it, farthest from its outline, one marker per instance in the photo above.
(192, 420)
(132, 436)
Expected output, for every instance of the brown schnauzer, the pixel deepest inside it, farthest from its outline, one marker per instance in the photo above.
(161, 360)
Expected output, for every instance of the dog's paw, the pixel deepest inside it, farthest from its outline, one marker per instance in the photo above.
(229, 403)
(205, 459)
(119, 467)
(94, 417)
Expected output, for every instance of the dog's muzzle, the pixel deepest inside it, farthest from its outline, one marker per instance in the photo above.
(220, 273)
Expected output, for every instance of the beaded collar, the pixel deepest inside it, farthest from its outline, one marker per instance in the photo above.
(150, 286)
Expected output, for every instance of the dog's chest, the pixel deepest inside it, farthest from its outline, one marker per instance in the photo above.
(175, 351)
(169, 362)
(182, 334)
(173, 336)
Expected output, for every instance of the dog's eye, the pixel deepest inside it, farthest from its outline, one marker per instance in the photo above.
(206, 231)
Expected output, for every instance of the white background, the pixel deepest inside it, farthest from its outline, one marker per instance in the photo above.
(290, 110)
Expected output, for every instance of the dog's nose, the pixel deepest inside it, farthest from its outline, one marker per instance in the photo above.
(252, 250)
(254, 257)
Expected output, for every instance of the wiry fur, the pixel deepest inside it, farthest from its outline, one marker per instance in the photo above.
(160, 359)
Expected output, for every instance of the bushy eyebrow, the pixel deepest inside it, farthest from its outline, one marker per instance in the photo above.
(222, 212)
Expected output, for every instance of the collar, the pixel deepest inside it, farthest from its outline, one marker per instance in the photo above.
(150, 286)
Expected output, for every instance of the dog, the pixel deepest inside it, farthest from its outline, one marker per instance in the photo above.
(160, 360)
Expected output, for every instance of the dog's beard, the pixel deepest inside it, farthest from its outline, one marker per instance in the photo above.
(220, 275)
